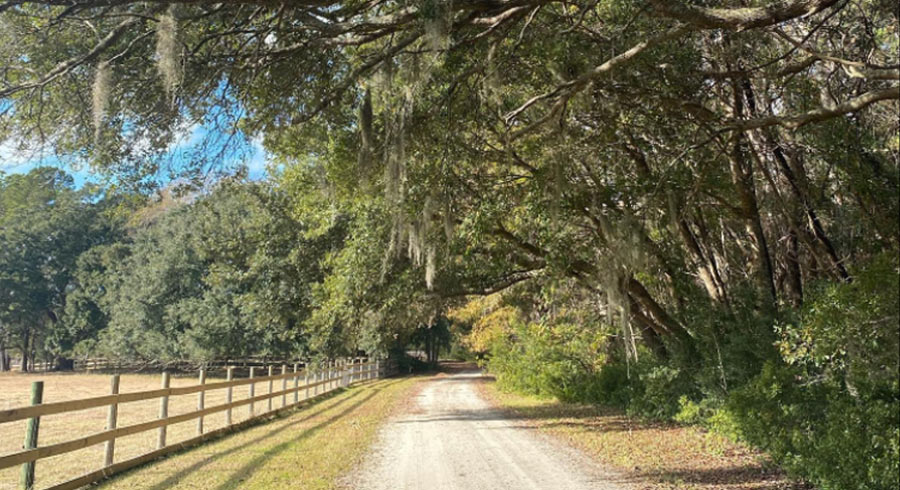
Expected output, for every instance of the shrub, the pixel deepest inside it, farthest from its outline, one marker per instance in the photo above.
(552, 361)
(820, 431)
(659, 390)
(820, 392)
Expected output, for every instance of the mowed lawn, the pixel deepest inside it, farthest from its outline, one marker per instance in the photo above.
(15, 392)
(647, 455)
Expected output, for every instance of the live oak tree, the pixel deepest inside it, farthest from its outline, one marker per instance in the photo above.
(227, 275)
(45, 225)
(684, 177)
(588, 124)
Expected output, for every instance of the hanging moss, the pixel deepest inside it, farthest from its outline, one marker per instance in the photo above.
(100, 95)
(167, 59)
(366, 134)
(430, 267)
(437, 20)
(619, 259)
(491, 88)
(448, 220)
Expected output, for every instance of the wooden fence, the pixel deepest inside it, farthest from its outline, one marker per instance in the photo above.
(104, 364)
(312, 381)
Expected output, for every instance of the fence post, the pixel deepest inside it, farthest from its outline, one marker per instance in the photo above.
(269, 400)
(201, 398)
(31, 436)
(228, 391)
(163, 412)
(334, 377)
(296, 385)
(306, 380)
(377, 368)
(112, 415)
(252, 389)
(334, 368)
(316, 378)
(283, 385)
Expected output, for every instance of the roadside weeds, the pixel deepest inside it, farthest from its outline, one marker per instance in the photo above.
(309, 449)
(650, 455)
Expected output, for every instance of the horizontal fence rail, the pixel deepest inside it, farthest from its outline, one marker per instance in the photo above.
(105, 364)
(306, 384)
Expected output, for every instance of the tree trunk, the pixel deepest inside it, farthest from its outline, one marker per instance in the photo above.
(710, 252)
(648, 333)
(795, 174)
(33, 355)
(666, 325)
(705, 268)
(742, 177)
(4, 359)
(794, 276)
(811, 216)
(26, 337)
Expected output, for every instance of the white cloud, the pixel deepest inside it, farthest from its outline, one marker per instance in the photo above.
(258, 159)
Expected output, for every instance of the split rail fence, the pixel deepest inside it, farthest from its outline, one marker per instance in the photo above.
(311, 381)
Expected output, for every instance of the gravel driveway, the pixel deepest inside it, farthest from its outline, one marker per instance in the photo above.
(451, 438)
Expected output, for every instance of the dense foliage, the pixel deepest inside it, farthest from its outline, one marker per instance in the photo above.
(685, 208)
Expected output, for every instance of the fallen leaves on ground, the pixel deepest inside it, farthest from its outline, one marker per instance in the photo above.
(650, 455)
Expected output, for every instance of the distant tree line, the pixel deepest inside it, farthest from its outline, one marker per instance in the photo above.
(224, 272)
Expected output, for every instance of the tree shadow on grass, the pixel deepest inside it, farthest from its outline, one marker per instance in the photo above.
(581, 417)
(320, 404)
(248, 469)
(758, 477)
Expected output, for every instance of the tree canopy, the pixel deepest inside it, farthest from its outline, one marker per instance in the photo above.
(678, 205)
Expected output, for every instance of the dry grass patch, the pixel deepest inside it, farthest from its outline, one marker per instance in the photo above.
(308, 449)
(651, 455)
(15, 392)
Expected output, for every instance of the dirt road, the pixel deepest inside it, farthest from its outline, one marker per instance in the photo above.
(451, 438)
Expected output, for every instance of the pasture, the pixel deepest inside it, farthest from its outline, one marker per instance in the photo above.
(15, 392)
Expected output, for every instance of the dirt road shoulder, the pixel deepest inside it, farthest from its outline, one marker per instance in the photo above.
(653, 456)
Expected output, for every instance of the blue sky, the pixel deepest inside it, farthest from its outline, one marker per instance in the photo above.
(251, 154)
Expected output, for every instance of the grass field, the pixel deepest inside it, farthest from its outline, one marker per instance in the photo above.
(310, 449)
(652, 456)
(15, 391)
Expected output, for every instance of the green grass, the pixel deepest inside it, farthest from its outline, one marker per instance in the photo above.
(308, 449)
